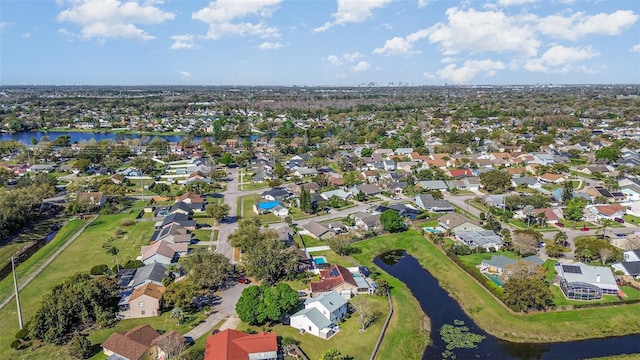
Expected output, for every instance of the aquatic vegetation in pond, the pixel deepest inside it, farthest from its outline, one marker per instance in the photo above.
(458, 336)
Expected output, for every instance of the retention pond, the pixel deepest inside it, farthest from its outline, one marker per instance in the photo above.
(443, 310)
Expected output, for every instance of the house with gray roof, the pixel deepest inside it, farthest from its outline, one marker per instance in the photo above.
(152, 273)
(428, 203)
(433, 185)
(499, 263)
(341, 194)
(487, 239)
(456, 222)
(579, 281)
(320, 315)
(317, 230)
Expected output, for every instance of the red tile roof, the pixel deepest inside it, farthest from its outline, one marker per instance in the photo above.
(236, 345)
(332, 278)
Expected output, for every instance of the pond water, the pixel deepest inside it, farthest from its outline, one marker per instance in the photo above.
(442, 309)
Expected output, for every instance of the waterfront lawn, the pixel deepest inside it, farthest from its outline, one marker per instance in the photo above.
(476, 259)
(493, 316)
(349, 340)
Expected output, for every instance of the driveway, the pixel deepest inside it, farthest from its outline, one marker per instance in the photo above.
(226, 309)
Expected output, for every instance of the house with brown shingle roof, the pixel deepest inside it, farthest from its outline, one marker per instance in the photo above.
(549, 178)
(141, 342)
(231, 344)
(190, 198)
(145, 301)
(335, 278)
(163, 252)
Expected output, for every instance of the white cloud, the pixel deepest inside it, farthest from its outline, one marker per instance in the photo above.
(402, 46)
(3, 25)
(635, 48)
(223, 17)
(361, 66)
(515, 2)
(270, 45)
(181, 42)
(352, 11)
(352, 56)
(333, 60)
(468, 71)
(185, 75)
(577, 25)
(484, 31)
(561, 59)
(102, 19)
(423, 3)
(26, 35)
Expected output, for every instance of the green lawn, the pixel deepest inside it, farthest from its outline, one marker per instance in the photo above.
(245, 204)
(578, 224)
(631, 219)
(476, 259)
(252, 186)
(7, 251)
(523, 225)
(492, 316)
(349, 340)
(81, 255)
(202, 235)
(310, 241)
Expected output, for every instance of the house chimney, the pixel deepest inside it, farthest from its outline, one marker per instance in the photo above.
(447, 221)
(598, 278)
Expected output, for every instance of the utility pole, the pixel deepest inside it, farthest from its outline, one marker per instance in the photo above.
(142, 184)
(15, 288)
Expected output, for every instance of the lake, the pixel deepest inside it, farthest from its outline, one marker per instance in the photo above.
(25, 137)
(443, 309)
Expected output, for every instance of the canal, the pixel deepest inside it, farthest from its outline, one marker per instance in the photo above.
(443, 310)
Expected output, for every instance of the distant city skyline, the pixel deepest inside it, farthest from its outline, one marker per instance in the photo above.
(319, 42)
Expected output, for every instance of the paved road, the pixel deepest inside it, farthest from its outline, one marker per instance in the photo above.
(49, 260)
(460, 201)
(226, 309)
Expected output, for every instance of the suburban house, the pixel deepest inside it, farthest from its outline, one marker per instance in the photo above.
(320, 315)
(181, 208)
(190, 198)
(285, 234)
(317, 230)
(177, 219)
(433, 185)
(630, 268)
(339, 193)
(141, 342)
(487, 239)
(145, 301)
(584, 282)
(274, 207)
(550, 216)
(549, 178)
(369, 189)
(232, 344)
(335, 278)
(94, 200)
(608, 211)
(367, 222)
(456, 222)
(163, 252)
(276, 194)
(173, 233)
(428, 203)
(152, 273)
(498, 263)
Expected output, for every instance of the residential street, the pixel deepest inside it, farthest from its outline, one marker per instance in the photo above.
(226, 309)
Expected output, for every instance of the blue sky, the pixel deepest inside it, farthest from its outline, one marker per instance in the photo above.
(319, 42)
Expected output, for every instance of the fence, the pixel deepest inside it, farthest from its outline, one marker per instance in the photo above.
(384, 329)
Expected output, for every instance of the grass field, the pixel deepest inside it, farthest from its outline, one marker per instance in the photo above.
(81, 255)
(550, 326)
(245, 208)
(349, 340)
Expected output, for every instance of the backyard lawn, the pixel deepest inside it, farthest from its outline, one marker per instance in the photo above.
(631, 219)
(245, 206)
(349, 340)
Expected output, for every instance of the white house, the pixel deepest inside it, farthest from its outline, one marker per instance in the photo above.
(320, 315)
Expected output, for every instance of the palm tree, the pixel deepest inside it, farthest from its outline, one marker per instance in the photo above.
(560, 238)
(177, 315)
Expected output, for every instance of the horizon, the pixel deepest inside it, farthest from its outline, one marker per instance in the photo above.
(341, 43)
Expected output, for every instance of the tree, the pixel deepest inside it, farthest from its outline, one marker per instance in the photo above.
(526, 288)
(567, 191)
(259, 304)
(208, 269)
(274, 183)
(80, 347)
(217, 211)
(606, 254)
(491, 223)
(608, 154)
(360, 196)
(391, 221)
(366, 152)
(270, 259)
(340, 244)
(248, 234)
(177, 315)
(180, 293)
(332, 354)
(602, 232)
(495, 181)
(305, 201)
(525, 241)
(560, 238)
(574, 209)
(366, 314)
(226, 159)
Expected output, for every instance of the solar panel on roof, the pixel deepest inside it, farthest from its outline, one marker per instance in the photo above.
(333, 272)
(571, 269)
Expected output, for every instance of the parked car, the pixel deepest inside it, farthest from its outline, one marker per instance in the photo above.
(619, 220)
(585, 229)
(559, 224)
(244, 280)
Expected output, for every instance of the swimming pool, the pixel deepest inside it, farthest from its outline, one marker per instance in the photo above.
(163, 212)
(433, 230)
(319, 260)
(495, 278)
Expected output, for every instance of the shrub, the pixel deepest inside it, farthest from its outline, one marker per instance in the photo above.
(126, 222)
(22, 333)
(80, 347)
(118, 232)
(99, 269)
(133, 264)
(15, 344)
